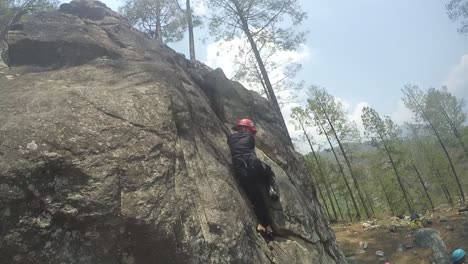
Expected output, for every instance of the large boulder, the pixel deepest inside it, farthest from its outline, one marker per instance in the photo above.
(430, 239)
(113, 150)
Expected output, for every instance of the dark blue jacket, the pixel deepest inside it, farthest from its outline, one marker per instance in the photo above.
(242, 144)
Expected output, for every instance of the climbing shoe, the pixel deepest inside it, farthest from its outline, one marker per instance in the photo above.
(266, 232)
(269, 233)
(273, 194)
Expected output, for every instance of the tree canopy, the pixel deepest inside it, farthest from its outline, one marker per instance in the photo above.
(458, 11)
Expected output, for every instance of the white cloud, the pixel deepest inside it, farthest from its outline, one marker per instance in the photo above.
(345, 103)
(355, 116)
(199, 8)
(222, 54)
(401, 114)
(354, 112)
(457, 80)
(286, 111)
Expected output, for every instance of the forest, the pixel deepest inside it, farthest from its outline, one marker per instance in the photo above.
(391, 169)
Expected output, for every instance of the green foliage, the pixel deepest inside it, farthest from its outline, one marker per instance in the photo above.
(6, 8)
(464, 134)
(270, 27)
(331, 117)
(299, 118)
(379, 130)
(6, 12)
(263, 18)
(422, 104)
(398, 168)
(9, 7)
(281, 66)
(458, 11)
(386, 135)
(440, 108)
(325, 107)
(441, 102)
(152, 15)
(12, 11)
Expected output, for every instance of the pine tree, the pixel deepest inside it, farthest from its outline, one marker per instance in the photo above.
(414, 99)
(259, 22)
(383, 132)
(333, 119)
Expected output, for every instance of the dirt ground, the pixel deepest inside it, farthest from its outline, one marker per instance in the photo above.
(398, 246)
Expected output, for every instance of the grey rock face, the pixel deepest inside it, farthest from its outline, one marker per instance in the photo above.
(430, 238)
(113, 150)
(3, 51)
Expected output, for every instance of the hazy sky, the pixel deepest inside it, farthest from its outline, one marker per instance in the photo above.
(365, 51)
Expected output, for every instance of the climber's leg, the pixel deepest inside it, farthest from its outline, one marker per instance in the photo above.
(251, 186)
(267, 178)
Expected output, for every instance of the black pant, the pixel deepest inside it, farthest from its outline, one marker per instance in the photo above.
(254, 177)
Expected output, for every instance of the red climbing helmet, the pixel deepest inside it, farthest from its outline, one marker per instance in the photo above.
(246, 123)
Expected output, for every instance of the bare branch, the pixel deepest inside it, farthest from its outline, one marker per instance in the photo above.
(273, 18)
(180, 8)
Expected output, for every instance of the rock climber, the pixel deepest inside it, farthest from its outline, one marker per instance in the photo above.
(458, 256)
(253, 174)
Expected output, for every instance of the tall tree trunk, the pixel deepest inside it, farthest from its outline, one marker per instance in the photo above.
(447, 194)
(322, 175)
(400, 182)
(259, 76)
(387, 197)
(341, 171)
(459, 194)
(369, 201)
(323, 199)
(261, 66)
(324, 202)
(432, 167)
(336, 202)
(460, 189)
(159, 37)
(349, 211)
(411, 200)
(353, 176)
(327, 189)
(190, 30)
(424, 186)
(454, 130)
